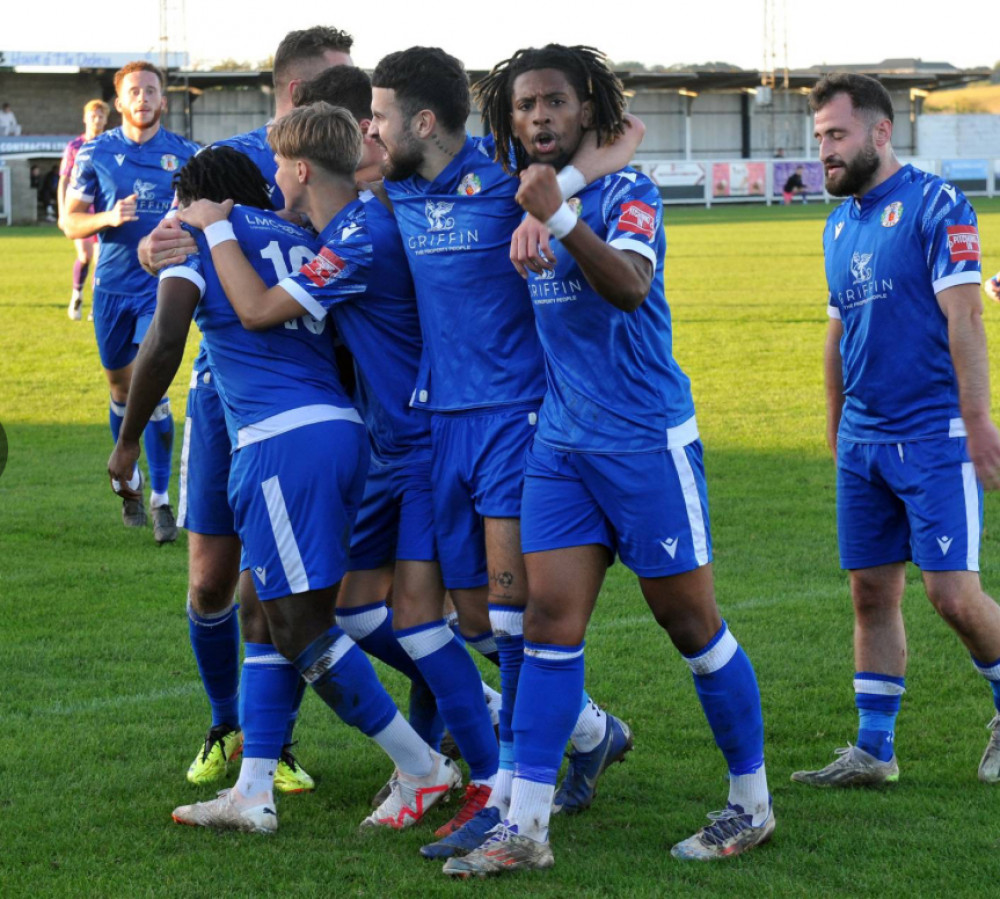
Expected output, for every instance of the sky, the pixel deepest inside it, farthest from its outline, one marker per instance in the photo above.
(662, 32)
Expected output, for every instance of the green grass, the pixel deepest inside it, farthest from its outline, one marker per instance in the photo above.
(101, 711)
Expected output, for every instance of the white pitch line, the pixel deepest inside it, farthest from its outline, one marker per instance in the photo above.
(103, 703)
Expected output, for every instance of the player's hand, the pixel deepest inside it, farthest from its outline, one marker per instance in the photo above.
(122, 471)
(539, 193)
(992, 288)
(295, 218)
(983, 443)
(167, 244)
(124, 211)
(530, 249)
(202, 213)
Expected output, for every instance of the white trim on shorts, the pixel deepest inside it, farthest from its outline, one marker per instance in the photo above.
(182, 500)
(284, 538)
(971, 490)
(683, 434)
(692, 503)
(292, 419)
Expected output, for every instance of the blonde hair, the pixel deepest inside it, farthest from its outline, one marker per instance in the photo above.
(324, 134)
(96, 104)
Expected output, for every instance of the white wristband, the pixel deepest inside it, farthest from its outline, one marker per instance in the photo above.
(562, 222)
(219, 232)
(571, 181)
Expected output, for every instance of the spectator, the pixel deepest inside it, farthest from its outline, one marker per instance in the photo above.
(8, 122)
(48, 193)
(794, 185)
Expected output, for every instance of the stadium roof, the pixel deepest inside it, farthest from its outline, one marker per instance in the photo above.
(901, 74)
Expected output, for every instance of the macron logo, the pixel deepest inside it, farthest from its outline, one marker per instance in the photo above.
(948, 189)
(945, 544)
(837, 230)
(261, 574)
(119, 158)
(670, 545)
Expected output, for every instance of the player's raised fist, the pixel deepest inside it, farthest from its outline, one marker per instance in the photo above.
(539, 192)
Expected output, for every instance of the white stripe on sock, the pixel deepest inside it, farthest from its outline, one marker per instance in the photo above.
(717, 657)
(507, 621)
(358, 625)
(878, 687)
(426, 642)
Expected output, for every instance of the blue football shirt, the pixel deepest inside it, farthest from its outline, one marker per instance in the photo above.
(887, 257)
(360, 276)
(480, 345)
(613, 383)
(253, 145)
(112, 167)
(274, 380)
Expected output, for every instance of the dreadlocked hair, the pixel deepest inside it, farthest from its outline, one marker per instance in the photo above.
(587, 70)
(222, 173)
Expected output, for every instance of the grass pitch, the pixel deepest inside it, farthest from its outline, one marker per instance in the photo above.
(101, 709)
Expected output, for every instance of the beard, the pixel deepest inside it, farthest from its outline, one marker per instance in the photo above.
(856, 174)
(142, 126)
(404, 162)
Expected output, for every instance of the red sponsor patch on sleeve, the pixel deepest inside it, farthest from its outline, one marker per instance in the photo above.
(323, 268)
(638, 218)
(963, 243)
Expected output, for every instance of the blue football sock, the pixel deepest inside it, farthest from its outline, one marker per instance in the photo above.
(454, 678)
(486, 645)
(116, 414)
(727, 687)
(991, 671)
(508, 629)
(293, 715)
(215, 640)
(548, 703)
(266, 695)
(370, 627)
(158, 438)
(344, 679)
(877, 697)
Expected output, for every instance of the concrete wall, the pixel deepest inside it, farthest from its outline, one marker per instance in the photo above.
(52, 104)
(958, 135)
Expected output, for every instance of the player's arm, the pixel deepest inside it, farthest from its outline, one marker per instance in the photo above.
(620, 276)
(155, 366)
(77, 223)
(833, 382)
(258, 306)
(963, 308)
(530, 249)
(593, 161)
(61, 196)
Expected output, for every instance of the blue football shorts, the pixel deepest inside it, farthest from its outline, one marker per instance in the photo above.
(396, 520)
(477, 472)
(649, 508)
(916, 500)
(120, 323)
(203, 506)
(294, 498)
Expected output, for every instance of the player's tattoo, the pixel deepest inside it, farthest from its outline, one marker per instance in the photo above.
(501, 583)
